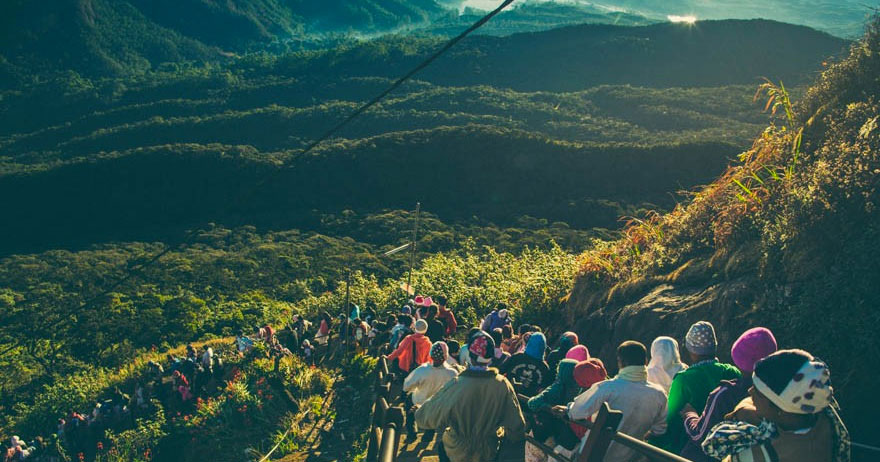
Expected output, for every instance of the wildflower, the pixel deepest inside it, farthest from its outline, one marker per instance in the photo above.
(100, 446)
(81, 456)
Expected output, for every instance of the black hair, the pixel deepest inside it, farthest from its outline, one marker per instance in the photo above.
(405, 319)
(632, 353)
(497, 336)
(454, 347)
(441, 300)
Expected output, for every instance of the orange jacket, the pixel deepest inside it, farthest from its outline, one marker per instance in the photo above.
(403, 353)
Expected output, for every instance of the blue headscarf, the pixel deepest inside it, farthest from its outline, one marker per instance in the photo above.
(537, 346)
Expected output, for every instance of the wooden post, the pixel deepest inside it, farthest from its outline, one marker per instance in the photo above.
(604, 429)
(380, 407)
(347, 312)
(395, 418)
(412, 255)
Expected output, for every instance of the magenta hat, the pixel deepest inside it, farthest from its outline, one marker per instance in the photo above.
(578, 353)
(753, 345)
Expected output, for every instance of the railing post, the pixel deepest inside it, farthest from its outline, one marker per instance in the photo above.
(395, 418)
(380, 407)
(604, 428)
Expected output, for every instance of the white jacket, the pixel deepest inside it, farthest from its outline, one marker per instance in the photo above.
(426, 380)
(643, 405)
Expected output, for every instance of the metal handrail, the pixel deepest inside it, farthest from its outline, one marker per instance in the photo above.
(651, 452)
(387, 421)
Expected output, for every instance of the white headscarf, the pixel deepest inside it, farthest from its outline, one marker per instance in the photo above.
(665, 362)
(207, 358)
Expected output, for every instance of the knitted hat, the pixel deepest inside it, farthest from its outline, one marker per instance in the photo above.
(589, 372)
(502, 314)
(578, 352)
(439, 351)
(421, 326)
(406, 309)
(481, 348)
(571, 337)
(794, 381)
(753, 345)
(700, 339)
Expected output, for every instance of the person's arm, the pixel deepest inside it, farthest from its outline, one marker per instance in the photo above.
(451, 323)
(697, 425)
(432, 414)
(550, 396)
(413, 380)
(678, 397)
(659, 425)
(506, 366)
(587, 403)
(403, 345)
(512, 420)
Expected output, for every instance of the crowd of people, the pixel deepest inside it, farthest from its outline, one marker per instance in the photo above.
(176, 383)
(469, 391)
(771, 404)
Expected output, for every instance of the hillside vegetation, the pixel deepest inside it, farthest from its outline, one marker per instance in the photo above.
(785, 238)
(104, 38)
(222, 130)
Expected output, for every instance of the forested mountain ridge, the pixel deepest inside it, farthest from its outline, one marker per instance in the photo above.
(219, 129)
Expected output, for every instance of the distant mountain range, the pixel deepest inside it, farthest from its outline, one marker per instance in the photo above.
(844, 18)
(99, 38)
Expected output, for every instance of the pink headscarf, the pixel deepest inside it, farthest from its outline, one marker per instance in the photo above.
(578, 353)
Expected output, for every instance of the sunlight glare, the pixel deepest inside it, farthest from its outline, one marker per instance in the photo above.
(690, 19)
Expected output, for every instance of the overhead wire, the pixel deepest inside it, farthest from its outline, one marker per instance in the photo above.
(191, 235)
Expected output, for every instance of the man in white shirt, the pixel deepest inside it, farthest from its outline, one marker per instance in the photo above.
(643, 404)
(426, 380)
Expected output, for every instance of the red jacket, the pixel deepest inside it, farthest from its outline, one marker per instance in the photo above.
(404, 352)
(448, 317)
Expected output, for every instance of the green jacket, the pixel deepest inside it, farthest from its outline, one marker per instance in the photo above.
(471, 408)
(563, 390)
(692, 386)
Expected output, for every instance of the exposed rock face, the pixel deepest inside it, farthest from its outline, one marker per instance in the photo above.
(670, 309)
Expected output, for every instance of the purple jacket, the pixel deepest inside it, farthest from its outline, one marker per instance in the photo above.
(721, 401)
(494, 321)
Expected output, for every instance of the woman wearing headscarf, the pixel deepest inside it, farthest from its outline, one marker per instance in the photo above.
(500, 355)
(563, 391)
(464, 357)
(752, 346)
(693, 385)
(426, 380)
(323, 334)
(528, 370)
(665, 362)
(473, 407)
(790, 416)
(566, 342)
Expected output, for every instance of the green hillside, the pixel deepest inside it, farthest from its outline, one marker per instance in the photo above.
(785, 238)
(220, 130)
